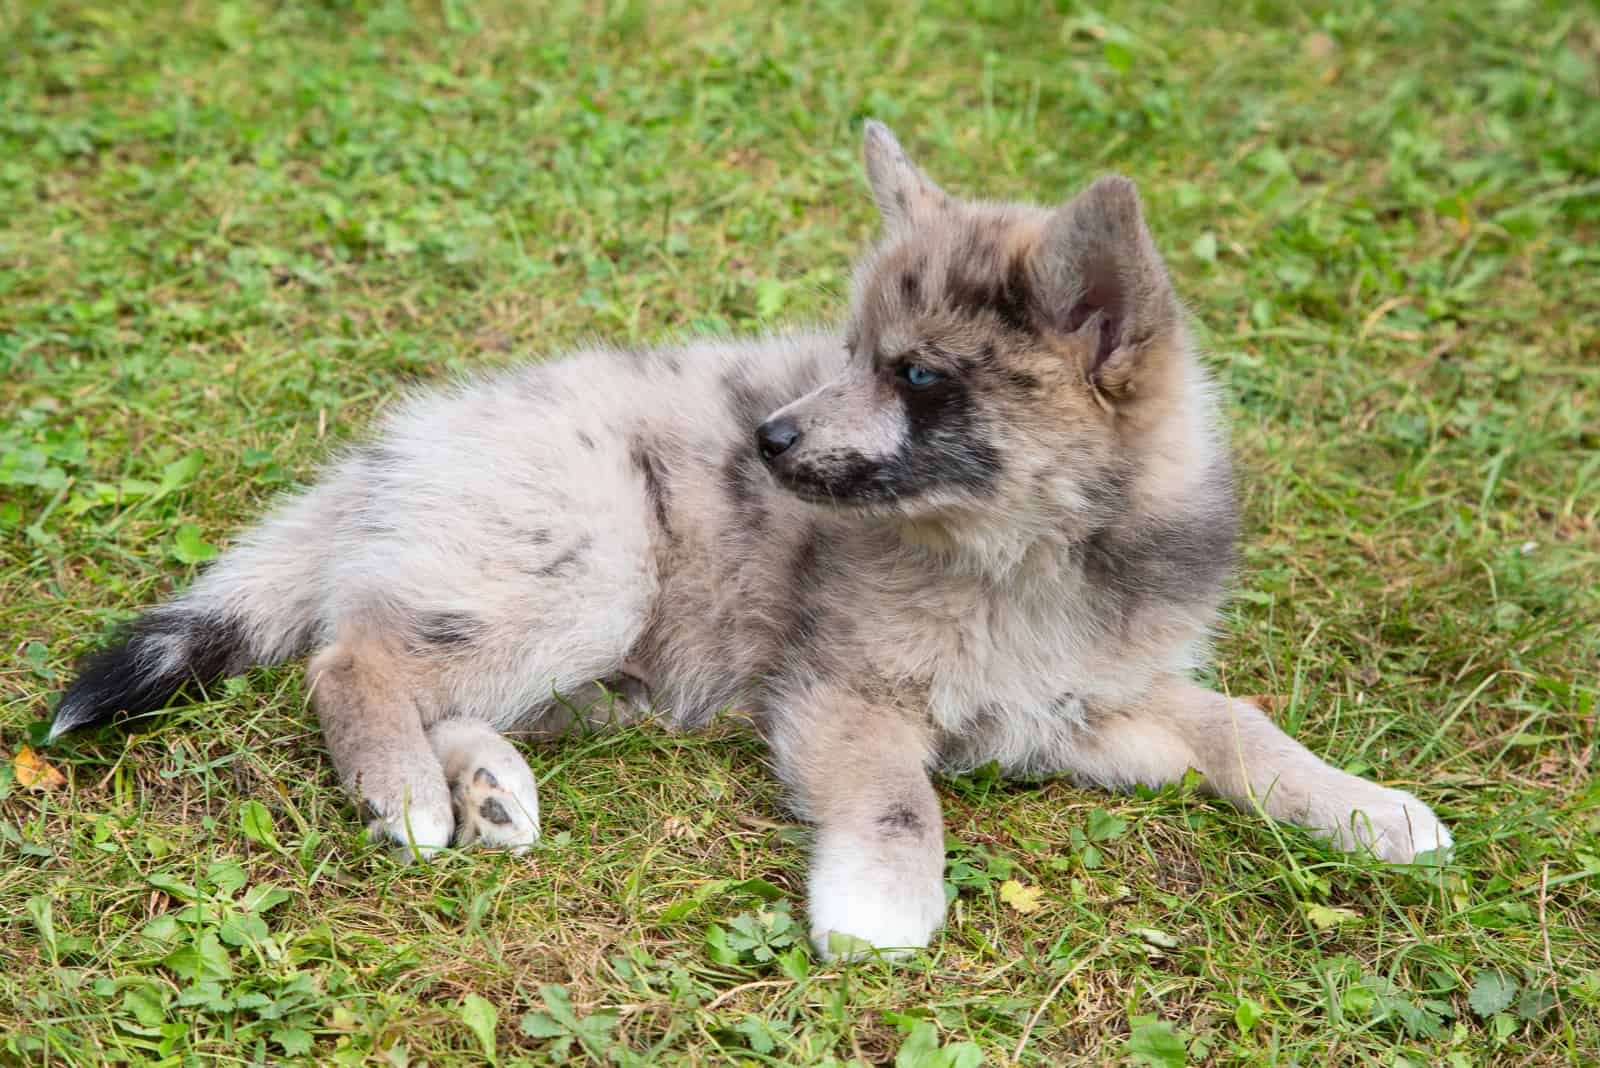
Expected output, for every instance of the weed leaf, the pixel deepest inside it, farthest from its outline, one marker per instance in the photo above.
(1492, 992)
(480, 1017)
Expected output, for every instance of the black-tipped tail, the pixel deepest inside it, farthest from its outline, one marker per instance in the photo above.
(145, 667)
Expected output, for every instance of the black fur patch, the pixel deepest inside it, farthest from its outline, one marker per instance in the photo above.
(567, 560)
(900, 821)
(655, 487)
(1015, 377)
(911, 289)
(1015, 303)
(485, 777)
(849, 478)
(519, 533)
(492, 810)
(1181, 558)
(741, 485)
(1064, 703)
(803, 619)
(1006, 295)
(131, 674)
(451, 630)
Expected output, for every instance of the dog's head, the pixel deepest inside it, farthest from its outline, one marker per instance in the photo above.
(1000, 355)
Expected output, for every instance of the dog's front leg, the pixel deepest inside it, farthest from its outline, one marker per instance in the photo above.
(1250, 761)
(859, 770)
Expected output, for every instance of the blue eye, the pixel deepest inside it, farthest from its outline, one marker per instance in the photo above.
(919, 376)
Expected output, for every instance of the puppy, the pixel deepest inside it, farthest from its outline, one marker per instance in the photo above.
(990, 517)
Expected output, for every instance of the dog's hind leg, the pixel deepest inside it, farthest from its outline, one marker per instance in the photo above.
(1248, 760)
(496, 798)
(367, 703)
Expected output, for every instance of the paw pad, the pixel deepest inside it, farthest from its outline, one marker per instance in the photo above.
(492, 810)
(497, 809)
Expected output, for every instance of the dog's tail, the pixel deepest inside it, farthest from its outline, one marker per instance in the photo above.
(260, 603)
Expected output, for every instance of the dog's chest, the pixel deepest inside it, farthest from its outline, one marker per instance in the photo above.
(992, 660)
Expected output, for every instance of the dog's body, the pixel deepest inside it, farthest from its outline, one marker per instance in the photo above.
(991, 520)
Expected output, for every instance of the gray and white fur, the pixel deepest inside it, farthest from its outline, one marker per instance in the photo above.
(990, 517)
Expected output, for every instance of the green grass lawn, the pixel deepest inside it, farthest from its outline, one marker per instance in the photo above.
(231, 233)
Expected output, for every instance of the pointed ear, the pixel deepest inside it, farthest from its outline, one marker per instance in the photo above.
(904, 194)
(1098, 271)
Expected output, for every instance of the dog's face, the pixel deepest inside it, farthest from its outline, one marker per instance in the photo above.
(990, 348)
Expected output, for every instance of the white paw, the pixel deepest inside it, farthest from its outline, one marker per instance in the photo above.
(860, 904)
(495, 797)
(497, 804)
(1393, 824)
(415, 831)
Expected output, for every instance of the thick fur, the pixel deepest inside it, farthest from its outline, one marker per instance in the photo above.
(1017, 558)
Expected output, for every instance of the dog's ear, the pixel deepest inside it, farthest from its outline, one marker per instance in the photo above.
(1098, 271)
(904, 194)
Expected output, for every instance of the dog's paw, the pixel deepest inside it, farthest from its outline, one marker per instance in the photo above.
(498, 805)
(414, 830)
(496, 799)
(1393, 825)
(862, 908)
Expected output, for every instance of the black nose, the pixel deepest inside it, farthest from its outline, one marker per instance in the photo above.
(774, 437)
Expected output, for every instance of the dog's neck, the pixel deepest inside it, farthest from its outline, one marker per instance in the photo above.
(1004, 555)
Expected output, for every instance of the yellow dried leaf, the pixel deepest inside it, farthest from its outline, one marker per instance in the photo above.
(1323, 917)
(1024, 899)
(1158, 938)
(33, 770)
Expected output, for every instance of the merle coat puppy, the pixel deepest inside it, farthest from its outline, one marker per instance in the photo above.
(988, 517)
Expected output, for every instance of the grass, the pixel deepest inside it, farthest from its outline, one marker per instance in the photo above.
(231, 232)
